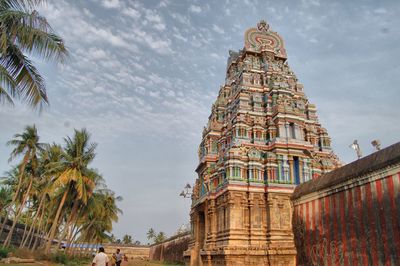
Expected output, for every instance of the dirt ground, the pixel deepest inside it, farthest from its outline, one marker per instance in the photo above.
(128, 263)
(143, 263)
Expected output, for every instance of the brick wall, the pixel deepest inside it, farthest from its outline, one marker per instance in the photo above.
(351, 215)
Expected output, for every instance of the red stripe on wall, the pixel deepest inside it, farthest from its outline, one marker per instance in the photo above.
(313, 226)
(321, 230)
(327, 232)
(395, 222)
(352, 240)
(342, 206)
(336, 237)
(382, 219)
(374, 246)
(307, 235)
(363, 235)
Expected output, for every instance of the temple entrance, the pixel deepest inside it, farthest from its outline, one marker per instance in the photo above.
(296, 170)
(202, 230)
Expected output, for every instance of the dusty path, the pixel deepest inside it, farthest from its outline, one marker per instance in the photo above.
(143, 263)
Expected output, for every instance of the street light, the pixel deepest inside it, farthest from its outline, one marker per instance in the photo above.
(377, 144)
(185, 192)
(355, 146)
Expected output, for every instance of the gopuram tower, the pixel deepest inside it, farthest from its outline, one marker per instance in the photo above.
(262, 139)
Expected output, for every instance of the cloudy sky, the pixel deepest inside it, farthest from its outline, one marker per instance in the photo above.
(142, 76)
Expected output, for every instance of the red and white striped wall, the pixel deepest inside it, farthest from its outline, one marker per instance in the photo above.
(354, 222)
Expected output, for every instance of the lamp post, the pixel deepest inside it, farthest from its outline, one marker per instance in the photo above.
(186, 191)
(377, 144)
(355, 146)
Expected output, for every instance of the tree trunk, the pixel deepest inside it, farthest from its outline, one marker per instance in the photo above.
(10, 233)
(25, 229)
(70, 219)
(21, 173)
(35, 218)
(39, 232)
(3, 224)
(55, 222)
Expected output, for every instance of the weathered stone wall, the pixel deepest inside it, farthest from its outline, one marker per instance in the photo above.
(130, 251)
(171, 250)
(351, 216)
(17, 235)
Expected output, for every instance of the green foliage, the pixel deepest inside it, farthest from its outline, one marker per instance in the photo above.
(23, 30)
(56, 183)
(68, 260)
(127, 239)
(3, 252)
(59, 258)
(151, 234)
(160, 237)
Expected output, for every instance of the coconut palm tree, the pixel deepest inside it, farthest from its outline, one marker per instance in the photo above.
(73, 173)
(98, 216)
(127, 239)
(151, 234)
(50, 154)
(23, 30)
(160, 237)
(27, 145)
(25, 192)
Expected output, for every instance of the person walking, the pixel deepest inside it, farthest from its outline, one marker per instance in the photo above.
(118, 257)
(101, 259)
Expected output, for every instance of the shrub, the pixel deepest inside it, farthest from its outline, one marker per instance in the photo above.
(3, 252)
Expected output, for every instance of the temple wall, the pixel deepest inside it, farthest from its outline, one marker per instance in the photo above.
(171, 250)
(351, 216)
(130, 251)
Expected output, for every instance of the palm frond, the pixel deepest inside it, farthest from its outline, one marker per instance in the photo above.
(21, 4)
(32, 33)
(31, 85)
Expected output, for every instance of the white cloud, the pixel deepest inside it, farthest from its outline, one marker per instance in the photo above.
(180, 18)
(131, 12)
(164, 3)
(380, 11)
(216, 56)
(96, 53)
(195, 9)
(218, 29)
(111, 3)
(180, 37)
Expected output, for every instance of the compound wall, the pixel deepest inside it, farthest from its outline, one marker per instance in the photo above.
(351, 215)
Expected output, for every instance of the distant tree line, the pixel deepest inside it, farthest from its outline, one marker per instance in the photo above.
(155, 237)
(126, 240)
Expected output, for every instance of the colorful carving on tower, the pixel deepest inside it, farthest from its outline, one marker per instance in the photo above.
(263, 137)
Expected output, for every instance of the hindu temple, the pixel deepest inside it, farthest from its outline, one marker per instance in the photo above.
(262, 138)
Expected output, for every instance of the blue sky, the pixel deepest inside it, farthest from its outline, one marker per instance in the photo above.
(142, 77)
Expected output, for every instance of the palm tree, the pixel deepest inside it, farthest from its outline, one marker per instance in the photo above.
(127, 239)
(51, 153)
(98, 216)
(28, 145)
(73, 173)
(151, 234)
(22, 30)
(160, 237)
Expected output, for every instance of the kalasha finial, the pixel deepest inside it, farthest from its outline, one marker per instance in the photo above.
(263, 26)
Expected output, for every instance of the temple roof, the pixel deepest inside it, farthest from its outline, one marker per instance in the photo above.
(263, 39)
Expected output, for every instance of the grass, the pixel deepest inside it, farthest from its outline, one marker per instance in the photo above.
(59, 258)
